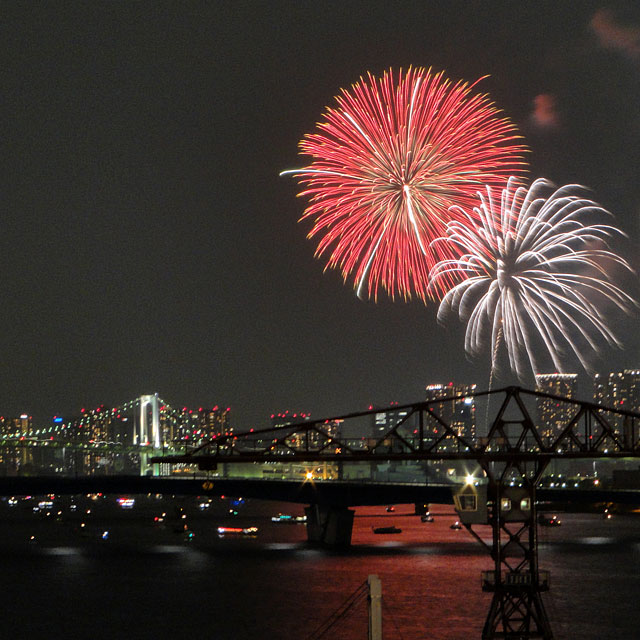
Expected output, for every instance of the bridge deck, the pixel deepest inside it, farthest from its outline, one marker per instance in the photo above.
(337, 493)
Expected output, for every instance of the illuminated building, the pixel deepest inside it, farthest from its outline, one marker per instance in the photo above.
(386, 419)
(452, 402)
(287, 417)
(554, 415)
(12, 457)
(316, 439)
(197, 425)
(618, 390)
(15, 427)
(214, 422)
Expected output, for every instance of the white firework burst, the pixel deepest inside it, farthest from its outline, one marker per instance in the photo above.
(533, 272)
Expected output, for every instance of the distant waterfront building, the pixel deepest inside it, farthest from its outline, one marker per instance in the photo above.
(15, 427)
(315, 438)
(618, 390)
(454, 404)
(287, 417)
(197, 425)
(554, 415)
(214, 422)
(387, 418)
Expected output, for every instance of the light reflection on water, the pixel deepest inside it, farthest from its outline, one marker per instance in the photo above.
(596, 540)
(169, 548)
(62, 551)
(276, 587)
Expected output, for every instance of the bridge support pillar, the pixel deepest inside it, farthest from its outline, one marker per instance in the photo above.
(147, 467)
(329, 525)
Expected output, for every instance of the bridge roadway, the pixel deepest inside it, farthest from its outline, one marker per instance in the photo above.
(333, 492)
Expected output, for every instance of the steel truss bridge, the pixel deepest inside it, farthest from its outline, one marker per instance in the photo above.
(512, 456)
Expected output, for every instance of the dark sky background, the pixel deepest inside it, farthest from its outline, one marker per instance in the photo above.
(149, 245)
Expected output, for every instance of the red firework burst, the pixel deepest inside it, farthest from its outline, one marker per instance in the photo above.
(388, 162)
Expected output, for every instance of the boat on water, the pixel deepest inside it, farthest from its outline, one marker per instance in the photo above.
(245, 531)
(288, 519)
(548, 521)
(392, 529)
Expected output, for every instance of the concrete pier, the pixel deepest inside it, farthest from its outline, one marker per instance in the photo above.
(329, 525)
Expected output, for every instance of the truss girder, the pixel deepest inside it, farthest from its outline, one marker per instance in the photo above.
(422, 433)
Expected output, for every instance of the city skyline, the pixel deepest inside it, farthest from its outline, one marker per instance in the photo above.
(614, 389)
(150, 244)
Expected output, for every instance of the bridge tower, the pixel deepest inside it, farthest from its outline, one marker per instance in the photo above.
(517, 611)
(144, 434)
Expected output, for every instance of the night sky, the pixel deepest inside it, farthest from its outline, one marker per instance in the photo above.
(149, 244)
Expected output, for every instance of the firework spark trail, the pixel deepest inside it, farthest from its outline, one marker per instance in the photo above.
(388, 163)
(532, 268)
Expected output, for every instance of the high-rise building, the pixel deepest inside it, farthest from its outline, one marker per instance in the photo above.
(388, 417)
(16, 426)
(214, 422)
(287, 417)
(455, 405)
(197, 425)
(620, 389)
(553, 414)
(312, 438)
